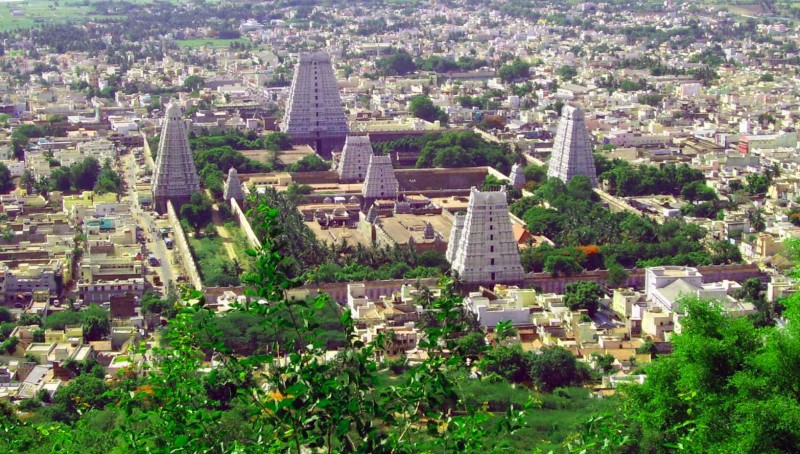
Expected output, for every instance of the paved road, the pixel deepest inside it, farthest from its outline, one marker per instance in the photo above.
(150, 227)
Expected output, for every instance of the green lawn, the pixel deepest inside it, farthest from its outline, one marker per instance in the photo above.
(211, 42)
(37, 12)
(212, 261)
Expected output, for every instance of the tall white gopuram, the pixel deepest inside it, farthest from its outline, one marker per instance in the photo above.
(353, 163)
(572, 150)
(314, 112)
(175, 177)
(486, 251)
(380, 181)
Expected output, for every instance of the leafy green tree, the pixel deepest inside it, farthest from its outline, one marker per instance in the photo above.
(724, 252)
(6, 315)
(29, 320)
(514, 71)
(566, 73)
(193, 82)
(310, 163)
(583, 295)
(616, 275)
(84, 174)
(96, 322)
(510, 362)
(562, 265)
(62, 319)
(60, 179)
(108, 180)
(556, 367)
(422, 107)
(6, 181)
(398, 64)
(472, 344)
(198, 211)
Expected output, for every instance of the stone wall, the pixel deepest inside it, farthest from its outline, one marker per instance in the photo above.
(440, 179)
(716, 273)
(182, 248)
(322, 177)
(374, 289)
(241, 218)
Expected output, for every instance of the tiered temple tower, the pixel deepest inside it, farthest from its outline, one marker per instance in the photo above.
(175, 177)
(233, 187)
(486, 252)
(353, 163)
(517, 176)
(314, 113)
(572, 150)
(380, 181)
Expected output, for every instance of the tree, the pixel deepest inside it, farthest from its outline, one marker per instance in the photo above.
(198, 211)
(510, 362)
(84, 174)
(514, 71)
(83, 393)
(6, 182)
(566, 73)
(398, 64)
(583, 295)
(556, 367)
(96, 323)
(62, 319)
(152, 303)
(60, 179)
(108, 180)
(472, 344)
(5, 315)
(310, 163)
(29, 320)
(616, 275)
(193, 82)
(422, 107)
(562, 265)
(725, 252)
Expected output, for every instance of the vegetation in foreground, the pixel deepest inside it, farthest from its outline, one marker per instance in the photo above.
(728, 387)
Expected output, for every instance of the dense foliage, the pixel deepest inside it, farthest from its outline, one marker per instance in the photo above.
(727, 387)
(589, 236)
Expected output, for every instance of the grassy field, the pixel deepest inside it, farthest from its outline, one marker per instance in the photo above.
(38, 12)
(212, 42)
(215, 268)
